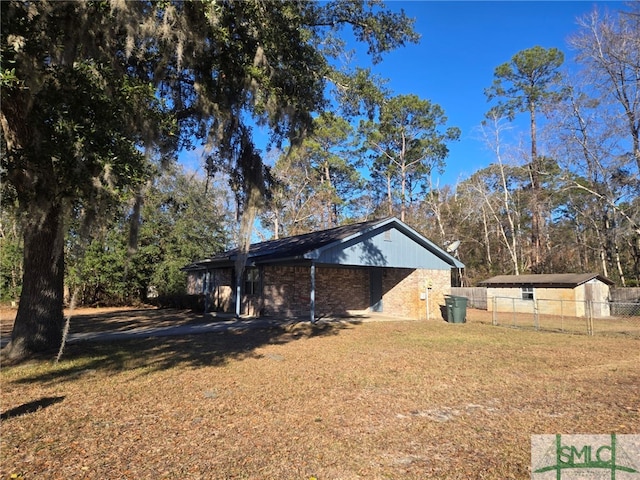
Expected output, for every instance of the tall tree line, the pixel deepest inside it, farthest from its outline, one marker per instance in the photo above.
(560, 196)
(569, 200)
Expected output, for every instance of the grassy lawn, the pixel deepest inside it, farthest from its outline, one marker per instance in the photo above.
(374, 400)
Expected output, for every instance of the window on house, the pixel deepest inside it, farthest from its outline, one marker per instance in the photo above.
(251, 281)
(527, 293)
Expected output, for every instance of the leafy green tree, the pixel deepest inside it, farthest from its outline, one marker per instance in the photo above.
(68, 136)
(318, 180)
(10, 256)
(87, 87)
(530, 82)
(407, 142)
(99, 277)
(182, 219)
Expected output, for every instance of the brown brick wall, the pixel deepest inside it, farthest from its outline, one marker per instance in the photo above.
(339, 291)
(286, 291)
(342, 291)
(405, 292)
(221, 290)
(345, 291)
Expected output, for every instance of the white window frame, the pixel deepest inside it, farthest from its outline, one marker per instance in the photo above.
(527, 292)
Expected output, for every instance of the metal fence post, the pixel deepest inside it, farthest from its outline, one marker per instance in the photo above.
(574, 316)
(494, 317)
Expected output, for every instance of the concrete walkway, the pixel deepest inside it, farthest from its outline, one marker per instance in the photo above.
(233, 325)
(218, 324)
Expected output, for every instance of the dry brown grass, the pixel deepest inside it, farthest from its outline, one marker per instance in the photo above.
(410, 400)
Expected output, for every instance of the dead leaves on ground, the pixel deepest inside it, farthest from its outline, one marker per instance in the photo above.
(411, 400)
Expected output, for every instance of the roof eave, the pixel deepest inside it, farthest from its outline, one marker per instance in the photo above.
(432, 247)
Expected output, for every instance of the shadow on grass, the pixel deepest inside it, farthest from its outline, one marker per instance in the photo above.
(30, 407)
(130, 319)
(160, 353)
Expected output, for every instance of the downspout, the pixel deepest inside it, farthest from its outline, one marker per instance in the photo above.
(312, 296)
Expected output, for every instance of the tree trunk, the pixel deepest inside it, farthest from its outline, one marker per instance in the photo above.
(389, 196)
(603, 263)
(39, 321)
(403, 206)
(537, 220)
(487, 239)
(635, 252)
(619, 266)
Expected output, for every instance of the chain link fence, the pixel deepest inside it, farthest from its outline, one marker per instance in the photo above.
(567, 316)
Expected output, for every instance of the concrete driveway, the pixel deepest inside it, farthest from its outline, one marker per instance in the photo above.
(114, 325)
(176, 330)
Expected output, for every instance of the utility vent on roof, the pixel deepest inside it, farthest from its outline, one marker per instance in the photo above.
(387, 235)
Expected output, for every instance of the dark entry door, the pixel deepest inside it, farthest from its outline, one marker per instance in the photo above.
(375, 289)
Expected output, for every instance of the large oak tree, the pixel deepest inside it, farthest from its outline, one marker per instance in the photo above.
(93, 92)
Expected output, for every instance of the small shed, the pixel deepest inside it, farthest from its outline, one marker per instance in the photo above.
(554, 294)
(376, 266)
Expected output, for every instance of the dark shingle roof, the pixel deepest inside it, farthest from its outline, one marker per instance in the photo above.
(301, 244)
(544, 280)
(292, 247)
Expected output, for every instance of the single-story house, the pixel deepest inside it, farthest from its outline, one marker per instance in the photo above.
(375, 266)
(570, 294)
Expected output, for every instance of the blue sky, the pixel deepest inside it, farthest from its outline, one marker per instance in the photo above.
(462, 43)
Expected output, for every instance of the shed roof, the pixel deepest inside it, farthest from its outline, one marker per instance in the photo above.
(552, 280)
(330, 246)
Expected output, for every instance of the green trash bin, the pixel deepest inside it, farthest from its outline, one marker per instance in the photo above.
(456, 309)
